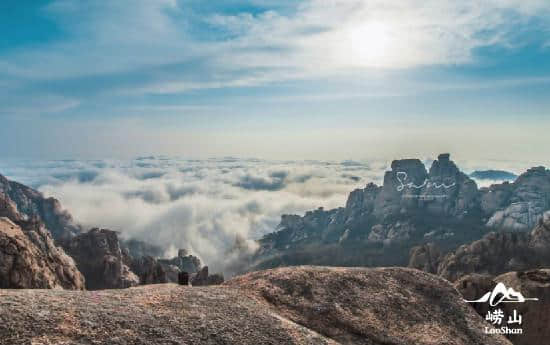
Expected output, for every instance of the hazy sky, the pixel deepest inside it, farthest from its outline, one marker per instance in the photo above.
(323, 79)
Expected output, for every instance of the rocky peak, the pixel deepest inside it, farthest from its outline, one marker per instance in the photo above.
(405, 171)
(444, 167)
(99, 257)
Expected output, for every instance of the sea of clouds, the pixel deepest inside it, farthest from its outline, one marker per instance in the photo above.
(199, 205)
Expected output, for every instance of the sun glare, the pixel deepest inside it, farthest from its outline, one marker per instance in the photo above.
(369, 44)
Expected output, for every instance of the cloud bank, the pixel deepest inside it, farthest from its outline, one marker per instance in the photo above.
(203, 205)
(200, 205)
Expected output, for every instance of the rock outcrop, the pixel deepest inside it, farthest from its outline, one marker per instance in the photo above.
(302, 305)
(31, 204)
(30, 259)
(99, 257)
(493, 254)
(150, 271)
(527, 199)
(531, 284)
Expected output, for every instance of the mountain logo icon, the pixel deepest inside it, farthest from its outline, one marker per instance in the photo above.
(502, 294)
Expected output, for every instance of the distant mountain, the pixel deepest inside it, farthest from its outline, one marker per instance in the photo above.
(496, 175)
(380, 224)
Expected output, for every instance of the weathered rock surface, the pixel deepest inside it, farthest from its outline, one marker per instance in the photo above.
(531, 284)
(30, 259)
(302, 305)
(368, 306)
(99, 257)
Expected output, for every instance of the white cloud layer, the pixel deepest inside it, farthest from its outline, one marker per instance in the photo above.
(202, 205)
(198, 205)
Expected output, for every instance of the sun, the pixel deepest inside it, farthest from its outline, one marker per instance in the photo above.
(369, 44)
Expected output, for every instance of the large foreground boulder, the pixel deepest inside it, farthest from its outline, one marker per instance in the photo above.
(30, 259)
(369, 306)
(301, 305)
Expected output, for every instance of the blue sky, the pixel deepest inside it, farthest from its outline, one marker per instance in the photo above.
(275, 79)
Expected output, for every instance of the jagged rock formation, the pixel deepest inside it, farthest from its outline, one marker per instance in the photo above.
(526, 200)
(414, 206)
(493, 254)
(154, 271)
(30, 259)
(31, 204)
(302, 305)
(158, 271)
(99, 257)
(531, 284)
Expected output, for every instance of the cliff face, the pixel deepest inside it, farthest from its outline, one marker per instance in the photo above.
(99, 257)
(30, 259)
(301, 305)
(25, 203)
(414, 206)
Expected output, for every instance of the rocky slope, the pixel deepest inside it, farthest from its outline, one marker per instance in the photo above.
(493, 254)
(30, 259)
(304, 305)
(414, 206)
